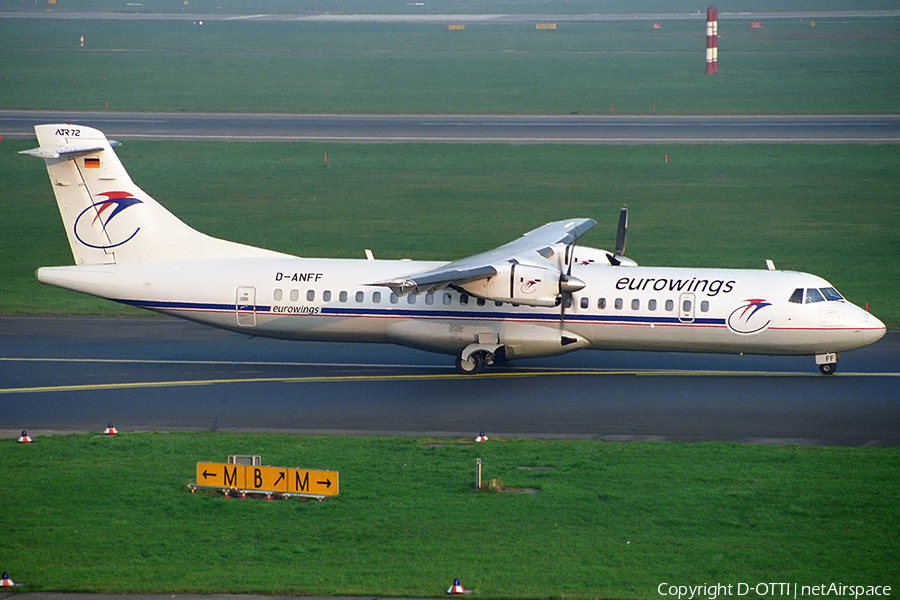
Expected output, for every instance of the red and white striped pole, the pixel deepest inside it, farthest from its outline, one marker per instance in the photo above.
(712, 40)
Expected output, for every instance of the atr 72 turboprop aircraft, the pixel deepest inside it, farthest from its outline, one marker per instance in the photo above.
(539, 295)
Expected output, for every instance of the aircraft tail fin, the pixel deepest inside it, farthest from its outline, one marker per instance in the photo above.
(108, 219)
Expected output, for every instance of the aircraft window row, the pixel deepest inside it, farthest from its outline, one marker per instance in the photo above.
(447, 298)
(813, 295)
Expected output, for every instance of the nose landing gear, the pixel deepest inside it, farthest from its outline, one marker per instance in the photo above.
(827, 363)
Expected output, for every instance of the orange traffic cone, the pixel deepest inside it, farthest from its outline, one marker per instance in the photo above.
(111, 430)
(6, 581)
(24, 439)
(481, 437)
(456, 588)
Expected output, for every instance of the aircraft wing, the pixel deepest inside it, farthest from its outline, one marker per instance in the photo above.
(529, 254)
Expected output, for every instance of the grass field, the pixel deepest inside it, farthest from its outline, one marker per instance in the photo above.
(623, 67)
(832, 210)
(589, 520)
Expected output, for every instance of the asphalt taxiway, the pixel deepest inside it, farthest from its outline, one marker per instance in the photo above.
(469, 129)
(77, 374)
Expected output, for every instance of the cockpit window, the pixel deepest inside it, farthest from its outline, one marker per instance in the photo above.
(814, 295)
(831, 294)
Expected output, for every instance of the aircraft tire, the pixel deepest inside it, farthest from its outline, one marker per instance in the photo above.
(828, 368)
(473, 366)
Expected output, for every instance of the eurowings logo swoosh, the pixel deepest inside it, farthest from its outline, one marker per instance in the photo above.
(529, 286)
(746, 318)
(102, 213)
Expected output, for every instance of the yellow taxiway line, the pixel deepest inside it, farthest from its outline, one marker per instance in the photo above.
(373, 378)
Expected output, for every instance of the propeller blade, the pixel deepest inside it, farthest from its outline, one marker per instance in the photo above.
(623, 229)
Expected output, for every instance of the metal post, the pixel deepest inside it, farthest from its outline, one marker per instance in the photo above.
(477, 473)
(712, 40)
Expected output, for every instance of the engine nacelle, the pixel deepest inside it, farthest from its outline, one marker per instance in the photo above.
(520, 284)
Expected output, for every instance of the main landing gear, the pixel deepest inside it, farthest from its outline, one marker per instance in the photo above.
(475, 357)
(472, 365)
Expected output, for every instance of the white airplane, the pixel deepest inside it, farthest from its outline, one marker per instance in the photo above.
(539, 295)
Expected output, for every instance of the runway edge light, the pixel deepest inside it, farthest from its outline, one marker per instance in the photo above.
(456, 588)
(481, 437)
(6, 581)
(24, 438)
(110, 430)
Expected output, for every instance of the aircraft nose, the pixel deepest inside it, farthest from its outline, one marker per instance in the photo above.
(870, 326)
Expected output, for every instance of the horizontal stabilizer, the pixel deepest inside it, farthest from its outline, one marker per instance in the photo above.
(66, 150)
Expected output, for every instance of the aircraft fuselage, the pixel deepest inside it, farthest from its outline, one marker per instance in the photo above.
(634, 308)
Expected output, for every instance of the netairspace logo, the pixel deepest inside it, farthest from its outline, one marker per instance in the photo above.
(772, 590)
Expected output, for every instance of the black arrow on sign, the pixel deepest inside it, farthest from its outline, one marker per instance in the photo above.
(326, 483)
(280, 477)
(207, 474)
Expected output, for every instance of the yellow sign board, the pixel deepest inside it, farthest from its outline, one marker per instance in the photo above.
(281, 480)
(457, 27)
(545, 26)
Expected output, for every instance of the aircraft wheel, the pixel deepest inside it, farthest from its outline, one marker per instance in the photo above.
(828, 368)
(474, 365)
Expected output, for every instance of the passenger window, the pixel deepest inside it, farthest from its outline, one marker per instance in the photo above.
(651, 305)
(813, 295)
(601, 303)
(797, 296)
(360, 296)
(277, 295)
(342, 296)
(310, 295)
(585, 302)
(831, 294)
(635, 304)
(619, 303)
(568, 302)
(497, 303)
(670, 305)
(429, 298)
(447, 299)
(394, 298)
(463, 299)
(686, 306)
(376, 297)
(326, 296)
(295, 295)
(411, 298)
(481, 302)
(704, 306)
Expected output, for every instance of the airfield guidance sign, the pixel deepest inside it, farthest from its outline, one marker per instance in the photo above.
(272, 480)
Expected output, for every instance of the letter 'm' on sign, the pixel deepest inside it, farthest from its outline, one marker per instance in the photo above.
(301, 485)
(231, 478)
